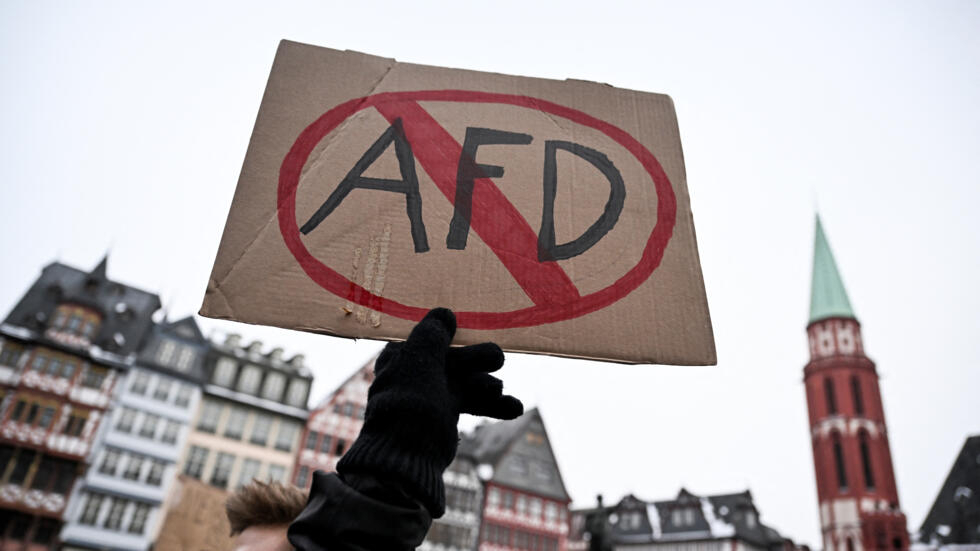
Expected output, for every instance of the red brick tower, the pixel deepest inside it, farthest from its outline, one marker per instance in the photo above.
(859, 507)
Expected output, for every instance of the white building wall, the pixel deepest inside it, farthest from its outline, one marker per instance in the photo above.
(133, 446)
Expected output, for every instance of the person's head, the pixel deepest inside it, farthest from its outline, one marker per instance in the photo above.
(260, 514)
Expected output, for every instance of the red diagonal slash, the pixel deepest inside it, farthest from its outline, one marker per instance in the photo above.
(494, 218)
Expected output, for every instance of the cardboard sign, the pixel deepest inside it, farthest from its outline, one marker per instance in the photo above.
(551, 216)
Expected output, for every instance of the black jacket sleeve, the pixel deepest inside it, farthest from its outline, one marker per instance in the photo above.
(358, 513)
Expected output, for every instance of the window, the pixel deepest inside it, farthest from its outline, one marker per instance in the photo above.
(196, 458)
(90, 513)
(32, 414)
(94, 376)
(68, 369)
(508, 499)
(750, 519)
(23, 464)
(45, 531)
(869, 477)
(126, 418)
(140, 381)
(185, 359)
(550, 512)
(224, 372)
(65, 477)
(138, 522)
(828, 388)
(133, 468)
(109, 462)
(534, 507)
(114, 519)
(682, 516)
(165, 352)
(170, 432)
(155, 476)
(297, 393)
(210, 413)
(856, 395)
(149, 428)
(249, 381)
(75, 424)
(54, 367)
(10, 354)
(44, 472)
(347, 410)
(325, 444)
(493, 498)
(302, 475)
(286, 436)
(311, 438)
(18, 410)
(277, 473)
(839, 463)
(250, 469)
(340, 448)
(162, 391)
(236, 423)
(47, 414)
(260, 430)
(274, 385)
(184, 394)
(521, 505)
(77, 320)
(222, 470)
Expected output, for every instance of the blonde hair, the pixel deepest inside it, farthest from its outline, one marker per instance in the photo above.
(264, 504)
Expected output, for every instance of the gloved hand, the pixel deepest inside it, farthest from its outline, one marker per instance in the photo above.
(420, 388)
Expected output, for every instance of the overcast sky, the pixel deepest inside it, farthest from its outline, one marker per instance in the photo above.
(123, 129)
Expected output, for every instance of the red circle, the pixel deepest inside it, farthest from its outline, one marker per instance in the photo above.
(339, 285)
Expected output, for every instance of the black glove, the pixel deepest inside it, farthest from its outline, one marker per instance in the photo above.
(420, 388)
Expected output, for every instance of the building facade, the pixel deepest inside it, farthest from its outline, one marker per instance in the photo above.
(728, 522)
(332, 427)
(459, 528)
(525, 504)
(253, 409)
(63, 349)
(858, 498)
(133, 463)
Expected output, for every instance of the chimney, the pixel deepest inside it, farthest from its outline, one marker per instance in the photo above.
(255, 348)
(298, 361)
(275, 355)
(233, 340)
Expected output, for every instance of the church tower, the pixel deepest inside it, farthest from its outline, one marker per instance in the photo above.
(859, 509)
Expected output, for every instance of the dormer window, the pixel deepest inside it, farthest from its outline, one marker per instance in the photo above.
(224, 372)
(682, 517)
(250, 379)
(274, 385)
(76, 320)
(297, 393)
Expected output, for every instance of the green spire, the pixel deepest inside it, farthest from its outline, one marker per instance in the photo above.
(828, 299)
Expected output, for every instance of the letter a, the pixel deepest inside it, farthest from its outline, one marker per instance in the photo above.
(409, 184)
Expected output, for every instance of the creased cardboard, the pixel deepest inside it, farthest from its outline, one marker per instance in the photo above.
(552, 216)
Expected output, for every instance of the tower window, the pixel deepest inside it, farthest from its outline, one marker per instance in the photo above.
(828, 388)
(869, 479)
(839, 463)
(856, 395)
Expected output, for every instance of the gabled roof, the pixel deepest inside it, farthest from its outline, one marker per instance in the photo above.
(954, 515)
(715, 517)
(126, 311)
(369, 365)
(828, 298)
(500, 445)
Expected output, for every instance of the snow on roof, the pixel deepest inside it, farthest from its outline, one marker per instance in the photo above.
(719, 528)
(653, 515)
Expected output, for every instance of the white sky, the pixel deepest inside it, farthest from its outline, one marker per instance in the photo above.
(123, 128)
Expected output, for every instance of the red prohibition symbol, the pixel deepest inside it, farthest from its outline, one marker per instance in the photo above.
(496, 220)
